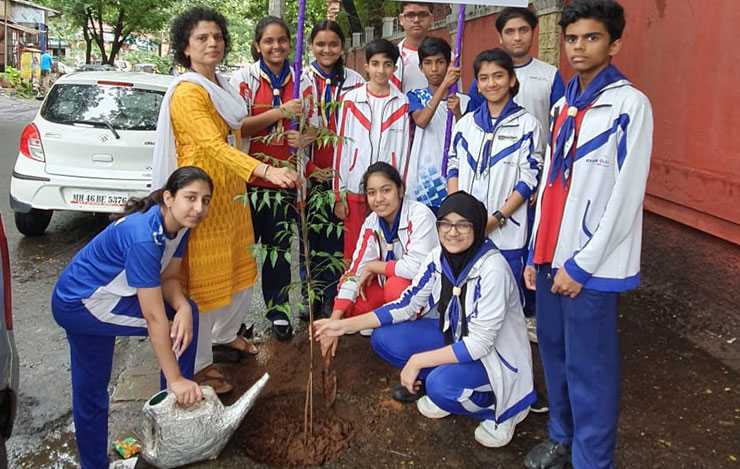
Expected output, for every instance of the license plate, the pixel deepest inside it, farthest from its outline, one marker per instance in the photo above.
(92, 199)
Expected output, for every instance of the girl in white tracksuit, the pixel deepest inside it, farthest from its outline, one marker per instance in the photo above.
(394, 241)
(470, 347)
(496, 156)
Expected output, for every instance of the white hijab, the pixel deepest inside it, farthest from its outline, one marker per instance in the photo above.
(228, 104)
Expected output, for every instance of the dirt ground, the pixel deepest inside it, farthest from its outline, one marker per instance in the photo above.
(680, 403)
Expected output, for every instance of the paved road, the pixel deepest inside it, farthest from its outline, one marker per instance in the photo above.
(45, 389)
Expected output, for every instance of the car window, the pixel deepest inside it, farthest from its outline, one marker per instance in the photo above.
(125, 108)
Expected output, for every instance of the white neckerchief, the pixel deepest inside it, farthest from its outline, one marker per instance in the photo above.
(228, 104)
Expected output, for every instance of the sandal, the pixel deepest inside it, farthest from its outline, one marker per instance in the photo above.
(248, 347)
(211, 376)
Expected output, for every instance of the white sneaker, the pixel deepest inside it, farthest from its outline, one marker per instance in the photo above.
(531, 329)
(366, 332)
(493, 435)
(429, 409)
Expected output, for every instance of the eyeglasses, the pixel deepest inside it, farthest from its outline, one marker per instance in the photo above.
(416, 16)
(462, 227)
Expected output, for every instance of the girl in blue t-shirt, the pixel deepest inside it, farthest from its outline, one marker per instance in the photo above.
(125, 283)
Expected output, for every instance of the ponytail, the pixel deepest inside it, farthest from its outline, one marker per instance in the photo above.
(140, 204)
(180, 178)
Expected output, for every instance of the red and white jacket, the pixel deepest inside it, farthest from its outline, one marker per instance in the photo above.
(417, 237)
(312, 88)
(408, 75)
(357, 149)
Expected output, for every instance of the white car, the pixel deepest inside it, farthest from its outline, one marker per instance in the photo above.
(89, 148)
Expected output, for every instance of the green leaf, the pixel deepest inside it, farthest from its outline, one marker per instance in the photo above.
(273, 257)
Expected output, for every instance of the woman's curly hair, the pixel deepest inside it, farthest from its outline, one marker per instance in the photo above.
(183, 25)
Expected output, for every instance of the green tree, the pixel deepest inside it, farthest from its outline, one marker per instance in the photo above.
(119, 18)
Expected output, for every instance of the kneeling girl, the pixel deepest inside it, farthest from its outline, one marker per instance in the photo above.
(469, 353)
(125, 282)
(394, 240)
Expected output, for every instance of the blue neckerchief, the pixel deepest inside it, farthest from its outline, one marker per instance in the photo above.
(561, 163)
(454, 309)
(390, 233)
(482, 117)
(326, 97)
(276, 82)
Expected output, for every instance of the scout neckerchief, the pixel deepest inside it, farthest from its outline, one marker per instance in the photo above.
(277, 82)
(562, 161)
(325, 96)
(484, 120)
(390, 233)
(453, 321)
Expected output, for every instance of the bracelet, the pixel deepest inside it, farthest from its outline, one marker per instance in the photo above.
(264, 173)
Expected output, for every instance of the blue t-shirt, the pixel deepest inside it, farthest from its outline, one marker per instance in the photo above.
(46, 61)
(130, 253)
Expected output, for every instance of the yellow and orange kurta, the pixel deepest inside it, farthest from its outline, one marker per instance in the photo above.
(219, 260)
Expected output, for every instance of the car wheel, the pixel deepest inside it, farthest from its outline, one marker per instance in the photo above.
(33, 223)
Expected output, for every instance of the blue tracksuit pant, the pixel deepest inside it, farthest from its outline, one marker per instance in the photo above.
(91, 344)
(516, 259)
(459, 388)
(579, 346)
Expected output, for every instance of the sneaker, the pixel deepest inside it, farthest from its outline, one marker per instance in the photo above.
(531, 329)
(495, 435)
(429, 409)
(282, 330)
(540, 406)
(548, 455)
(366, 332)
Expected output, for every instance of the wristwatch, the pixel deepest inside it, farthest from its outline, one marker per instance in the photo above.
(500, 218)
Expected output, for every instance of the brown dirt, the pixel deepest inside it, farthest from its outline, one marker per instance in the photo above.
(680, 403)
(289, 446)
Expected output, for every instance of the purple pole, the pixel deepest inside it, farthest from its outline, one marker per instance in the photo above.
(453, 88)
(297, 71)
(298, 64)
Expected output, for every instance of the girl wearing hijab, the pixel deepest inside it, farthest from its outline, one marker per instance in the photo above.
(267, 88)
(468, 354)
(394, 240)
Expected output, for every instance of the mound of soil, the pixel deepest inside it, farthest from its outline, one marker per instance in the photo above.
(275, 435)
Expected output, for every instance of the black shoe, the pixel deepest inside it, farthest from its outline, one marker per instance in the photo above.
(548, 455)
(282, 330)
(246, 332)
(540, 405)
(401, 394)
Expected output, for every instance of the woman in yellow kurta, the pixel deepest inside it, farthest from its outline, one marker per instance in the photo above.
(219, 262)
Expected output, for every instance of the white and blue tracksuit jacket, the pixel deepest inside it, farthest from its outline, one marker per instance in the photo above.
(513, 163)
(357, 149)
(601, 231)
(417, 235)
(129, 254)
(497, 335)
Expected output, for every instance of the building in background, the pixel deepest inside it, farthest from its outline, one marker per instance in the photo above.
(23, 25)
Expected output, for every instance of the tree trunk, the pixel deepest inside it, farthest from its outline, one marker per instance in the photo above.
(88, 44)
(355, 25)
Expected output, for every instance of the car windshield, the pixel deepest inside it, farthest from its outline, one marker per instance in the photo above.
(123, 107)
